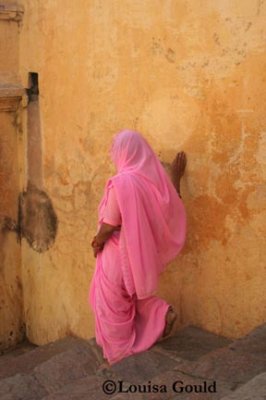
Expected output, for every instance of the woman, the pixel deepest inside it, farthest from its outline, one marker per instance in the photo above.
(141, 228)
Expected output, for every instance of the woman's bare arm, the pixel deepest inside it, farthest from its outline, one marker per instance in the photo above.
(104, 233)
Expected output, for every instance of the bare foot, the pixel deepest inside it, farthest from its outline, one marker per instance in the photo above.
(170, 320)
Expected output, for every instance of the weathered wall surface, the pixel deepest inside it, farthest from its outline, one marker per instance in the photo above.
(11, 299)
(188, 75)
(9, 53)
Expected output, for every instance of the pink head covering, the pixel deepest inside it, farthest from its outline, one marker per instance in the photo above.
(153, 216)
(132, 154)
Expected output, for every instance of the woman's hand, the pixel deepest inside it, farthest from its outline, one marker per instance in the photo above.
(97, 247)
(105, 232)
(178, 169)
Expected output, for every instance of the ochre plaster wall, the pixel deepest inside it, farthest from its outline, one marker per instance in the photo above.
(189, 75)
(9, 52)
(11, 296)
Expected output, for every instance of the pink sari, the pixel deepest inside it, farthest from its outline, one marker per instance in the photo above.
(129, 317)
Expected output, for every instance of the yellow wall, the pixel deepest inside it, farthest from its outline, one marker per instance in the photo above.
(188, 75)
(11, 296)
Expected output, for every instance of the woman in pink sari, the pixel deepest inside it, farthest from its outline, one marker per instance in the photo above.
(142, 227)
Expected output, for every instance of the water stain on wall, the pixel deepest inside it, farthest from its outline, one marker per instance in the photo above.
(37, 218)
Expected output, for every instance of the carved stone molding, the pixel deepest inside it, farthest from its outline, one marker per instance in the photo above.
(11, 12)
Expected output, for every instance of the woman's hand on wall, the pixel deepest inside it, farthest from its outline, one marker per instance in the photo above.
(178, 167)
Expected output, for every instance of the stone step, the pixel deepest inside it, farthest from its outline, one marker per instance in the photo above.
(200, 356)
(27, 362)
(255, 389)
(254, 342)
(21, 386)
(17, 350)
(47, 369)
(174, 384)
(67, 369)
(191, 343)
(235, 364)
(55, 366)
(187, 345)
(82, 389)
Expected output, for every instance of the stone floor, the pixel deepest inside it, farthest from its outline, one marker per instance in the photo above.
(193, 364)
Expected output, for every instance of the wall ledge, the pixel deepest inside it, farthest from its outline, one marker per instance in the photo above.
(10, 97)
(11, 12)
